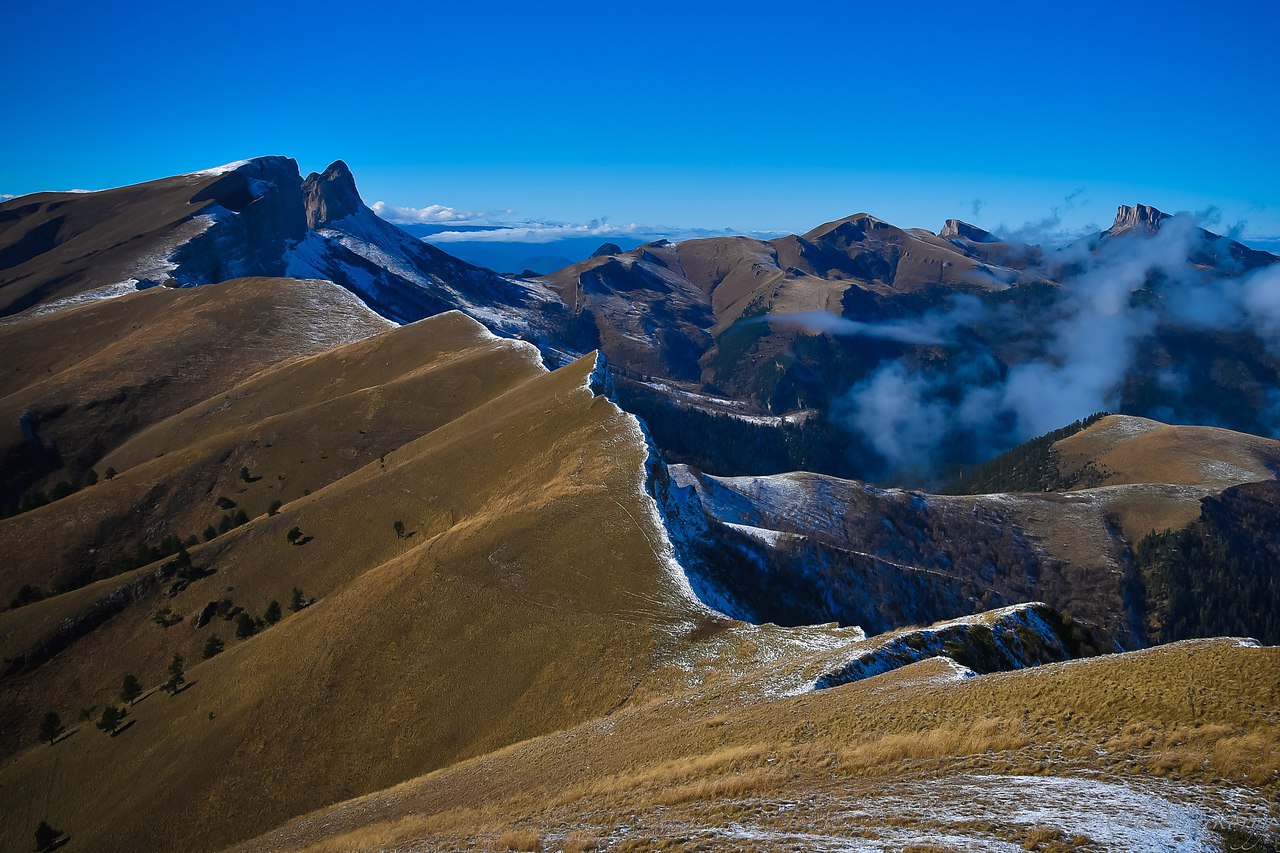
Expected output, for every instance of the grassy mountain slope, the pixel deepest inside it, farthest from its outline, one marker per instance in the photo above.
(79, 382)
(529, 593)
(914, 757)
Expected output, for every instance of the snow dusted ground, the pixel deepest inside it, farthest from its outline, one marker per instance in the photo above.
(111, 291)
(999, 814)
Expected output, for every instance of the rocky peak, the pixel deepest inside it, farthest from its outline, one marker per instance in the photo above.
(956, 229)
(330, 195)
(607, 249)
(1142, 217)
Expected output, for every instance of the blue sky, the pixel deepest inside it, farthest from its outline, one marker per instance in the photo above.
(734, 114)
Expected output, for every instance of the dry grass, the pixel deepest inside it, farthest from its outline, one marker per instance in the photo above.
(520, 839)
(578, 841)
(757, 782)
(986, 735)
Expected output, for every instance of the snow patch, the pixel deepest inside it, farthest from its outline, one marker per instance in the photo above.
(111, 291)
(220, 170)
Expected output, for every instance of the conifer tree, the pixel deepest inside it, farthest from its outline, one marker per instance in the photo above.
(51, 728)
(130, 689)
(177, 675)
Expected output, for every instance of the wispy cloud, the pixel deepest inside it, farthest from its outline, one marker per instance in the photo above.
(1049, 230)
(1092, 334)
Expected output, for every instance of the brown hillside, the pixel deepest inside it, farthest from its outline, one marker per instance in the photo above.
(530, 594)
(908, 757)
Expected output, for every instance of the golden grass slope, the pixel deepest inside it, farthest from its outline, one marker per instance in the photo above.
(88, 377)
(1194, 721)
(296, 427)
(1124, 449)
(531, 592)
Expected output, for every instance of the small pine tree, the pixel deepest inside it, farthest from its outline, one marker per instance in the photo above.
(273, 614)
(239, 518)
(244, 474)
(177, 675)
(399, 528)
(51, 728)
(110, 473)
(245, 626)
(297, 602)
(110, 720)
(274, 508)
(224, 502)
(91, 478)
(130, 689)
(46, 836)
(224, 524)
(210, 533)
(293, 535)
(213, 646)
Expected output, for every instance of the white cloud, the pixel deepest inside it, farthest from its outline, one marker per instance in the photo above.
(506, 228)
(431, 214)
(547, 232)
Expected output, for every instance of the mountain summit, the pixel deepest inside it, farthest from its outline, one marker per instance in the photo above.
(955, 229)
(330, 195)
(1139, 217)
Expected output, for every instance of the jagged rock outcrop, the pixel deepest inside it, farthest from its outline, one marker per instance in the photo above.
(1140, 217)
(956, 229)
(1017, 637)
(330, 195)
(253, 219)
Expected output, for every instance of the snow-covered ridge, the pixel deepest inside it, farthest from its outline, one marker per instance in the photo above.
(1016, 637)
(111, 291)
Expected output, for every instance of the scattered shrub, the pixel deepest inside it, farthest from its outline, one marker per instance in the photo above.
(273, 613)
(46, 836)
(212, 646)
(110, 720)
(177, 675)
(246, 627)
(51, 728)
(130, 689)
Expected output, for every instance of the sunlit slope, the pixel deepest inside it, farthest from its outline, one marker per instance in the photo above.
(530, 592)
(912, 757)
(295, 427)
(78, 382)
(58, 245)
(1120, 449)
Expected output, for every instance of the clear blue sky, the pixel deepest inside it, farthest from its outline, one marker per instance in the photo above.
(732, 114)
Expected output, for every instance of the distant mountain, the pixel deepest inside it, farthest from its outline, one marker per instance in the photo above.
(398, 583)
(516, 256)
(846, 551)
(794, 350)
(252, 218)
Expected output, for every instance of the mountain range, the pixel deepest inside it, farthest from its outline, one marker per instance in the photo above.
(821, 542)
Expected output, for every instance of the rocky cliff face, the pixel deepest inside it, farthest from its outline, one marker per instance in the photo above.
(1138, 217)
(254, 219)
(330, 195)
(955, 229)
